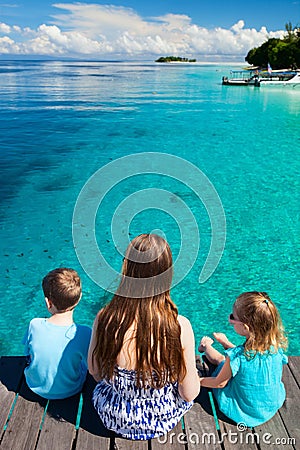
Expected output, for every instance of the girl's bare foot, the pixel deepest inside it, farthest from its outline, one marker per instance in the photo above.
(223, 340)
(205, 341)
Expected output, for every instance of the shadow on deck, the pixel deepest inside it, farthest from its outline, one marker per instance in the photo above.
(29, 422)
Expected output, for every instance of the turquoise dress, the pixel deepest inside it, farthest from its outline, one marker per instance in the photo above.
(255, 392)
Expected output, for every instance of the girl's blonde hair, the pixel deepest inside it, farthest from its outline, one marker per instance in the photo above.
(143, 300)
(258, 312)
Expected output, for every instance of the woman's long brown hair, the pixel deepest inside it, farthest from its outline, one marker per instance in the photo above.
(143, 299)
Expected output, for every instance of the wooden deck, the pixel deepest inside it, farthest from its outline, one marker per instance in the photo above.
(29, 422)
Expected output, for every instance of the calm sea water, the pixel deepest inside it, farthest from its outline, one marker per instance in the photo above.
(62, 121)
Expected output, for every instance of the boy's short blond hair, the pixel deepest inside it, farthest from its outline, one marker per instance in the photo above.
(63, 287)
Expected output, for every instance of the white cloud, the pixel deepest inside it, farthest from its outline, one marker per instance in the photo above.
(28, 31)
(5, 29)
(238, 26)
(107, 30)
(174, 21)
(51, 40)
(8, 46)
(97, 20)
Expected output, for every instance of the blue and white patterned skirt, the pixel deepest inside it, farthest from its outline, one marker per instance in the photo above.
(138, 413)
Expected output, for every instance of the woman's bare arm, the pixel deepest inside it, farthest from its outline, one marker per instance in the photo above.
(92, 366)
(189, 388)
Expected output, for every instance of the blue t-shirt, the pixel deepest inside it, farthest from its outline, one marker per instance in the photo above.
(58, 358)
(255, 392)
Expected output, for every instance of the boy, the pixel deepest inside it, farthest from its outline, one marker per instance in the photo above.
(57, 347)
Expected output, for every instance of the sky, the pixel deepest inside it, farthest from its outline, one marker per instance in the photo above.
(140, 29)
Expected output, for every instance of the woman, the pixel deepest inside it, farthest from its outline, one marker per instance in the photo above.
(142, 354)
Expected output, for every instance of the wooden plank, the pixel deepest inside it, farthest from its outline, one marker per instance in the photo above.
(228, 437)
(89, 441)
(124, 444)
(294, 365)
(23, 428)
(59, 424)
(273, 434)
(174, 440)
(200, 426)
(6, 402)
(235, 438)
(92, 434)
(11, 371)
(290, 410)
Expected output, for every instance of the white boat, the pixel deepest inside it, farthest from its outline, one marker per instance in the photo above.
(289, 78)
(241, 78)
(257, 78)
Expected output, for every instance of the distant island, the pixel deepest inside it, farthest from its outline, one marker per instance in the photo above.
(168, 59)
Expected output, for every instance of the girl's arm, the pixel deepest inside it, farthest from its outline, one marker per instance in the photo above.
(189, 388)
(221, 379)
(223, 340)
(91, 362)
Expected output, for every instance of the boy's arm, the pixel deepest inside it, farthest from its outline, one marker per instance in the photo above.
(221, 379)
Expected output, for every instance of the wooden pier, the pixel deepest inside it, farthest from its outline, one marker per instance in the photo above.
(29, 422)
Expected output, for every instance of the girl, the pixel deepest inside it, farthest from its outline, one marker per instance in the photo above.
(247, 383)
(141, 352)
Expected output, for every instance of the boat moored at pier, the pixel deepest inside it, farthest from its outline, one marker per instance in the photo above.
(257, 78)
(241, 78)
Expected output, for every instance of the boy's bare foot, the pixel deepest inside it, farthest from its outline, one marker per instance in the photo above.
(223, 340)
(205, 341)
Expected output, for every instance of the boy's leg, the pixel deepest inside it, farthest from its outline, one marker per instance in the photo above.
(211, 353)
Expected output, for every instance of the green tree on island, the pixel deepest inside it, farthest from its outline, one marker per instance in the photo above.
(280, 53)
(167, 59)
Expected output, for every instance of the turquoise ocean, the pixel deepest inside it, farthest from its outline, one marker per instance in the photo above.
(60, 122)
